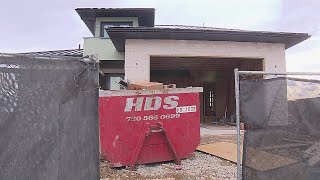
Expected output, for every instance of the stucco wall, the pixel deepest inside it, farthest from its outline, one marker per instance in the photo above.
(138, 52)
(102, 47)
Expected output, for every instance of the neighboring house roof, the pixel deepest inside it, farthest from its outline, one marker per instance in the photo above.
(67, 52)
(118, 35)
(89, 15)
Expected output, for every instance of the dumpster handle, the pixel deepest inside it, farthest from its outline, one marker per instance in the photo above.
(146, 132)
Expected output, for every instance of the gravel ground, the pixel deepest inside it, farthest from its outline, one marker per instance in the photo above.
(218, 138)
(224, 130)
(201, 166)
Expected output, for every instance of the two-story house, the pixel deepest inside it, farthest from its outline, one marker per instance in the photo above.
(130, 46)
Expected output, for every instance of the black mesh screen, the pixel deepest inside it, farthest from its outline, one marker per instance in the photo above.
(48, 118)
(282, 122)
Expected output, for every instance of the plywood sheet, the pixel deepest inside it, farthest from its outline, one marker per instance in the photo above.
(256, 159)
(264, 161)
(224, 150)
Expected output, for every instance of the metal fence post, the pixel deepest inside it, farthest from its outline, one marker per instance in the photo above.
(237, 96)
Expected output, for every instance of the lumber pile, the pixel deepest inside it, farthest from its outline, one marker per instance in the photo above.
(149, 86)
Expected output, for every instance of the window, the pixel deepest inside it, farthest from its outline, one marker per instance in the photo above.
(105, 25)
(209, 99)
(114, 82)
(111, 81)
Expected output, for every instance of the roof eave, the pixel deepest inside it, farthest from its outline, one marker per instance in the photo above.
(118, 36)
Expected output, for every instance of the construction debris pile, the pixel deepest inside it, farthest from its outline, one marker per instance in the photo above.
(146, 85)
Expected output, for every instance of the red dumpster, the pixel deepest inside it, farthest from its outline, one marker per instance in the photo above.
(146, 126)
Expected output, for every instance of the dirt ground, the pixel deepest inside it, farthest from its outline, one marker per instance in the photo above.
(200, 166)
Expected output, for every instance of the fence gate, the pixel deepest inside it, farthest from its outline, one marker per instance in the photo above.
(48, 118)
(281, 117)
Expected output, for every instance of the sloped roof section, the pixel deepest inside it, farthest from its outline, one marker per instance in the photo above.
(67, 52)
(118, 35)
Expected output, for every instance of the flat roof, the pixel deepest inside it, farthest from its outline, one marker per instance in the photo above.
(89, 15)
(118, 35)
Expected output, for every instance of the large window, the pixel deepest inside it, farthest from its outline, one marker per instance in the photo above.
(111, 81)
(209, 99)
(105, 25)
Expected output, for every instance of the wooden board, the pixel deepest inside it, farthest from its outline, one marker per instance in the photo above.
(224, 150)
(260, 160)
(145, 85)
(264, 161)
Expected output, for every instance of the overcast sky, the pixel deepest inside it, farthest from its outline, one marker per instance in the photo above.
(39, 25)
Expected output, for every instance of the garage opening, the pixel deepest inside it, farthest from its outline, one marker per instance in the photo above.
(215, 75)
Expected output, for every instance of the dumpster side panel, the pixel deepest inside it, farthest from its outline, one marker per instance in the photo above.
(124, 119)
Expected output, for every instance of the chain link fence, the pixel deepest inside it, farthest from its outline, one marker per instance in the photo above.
(48, 117)
(281, 117)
